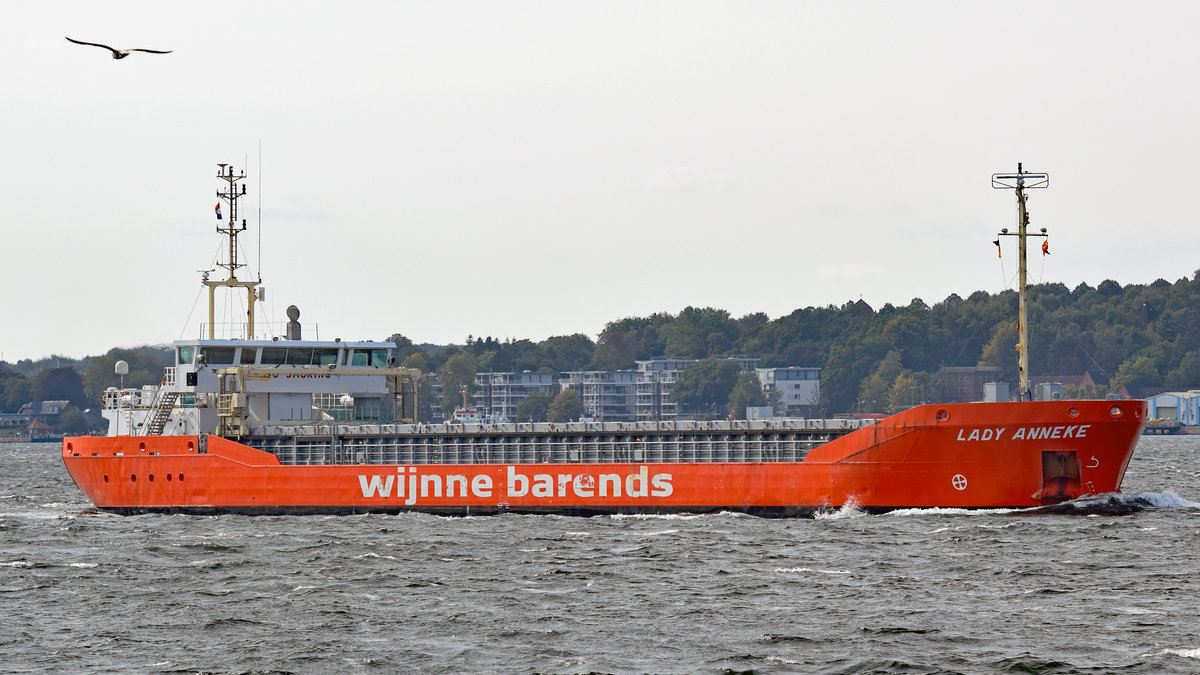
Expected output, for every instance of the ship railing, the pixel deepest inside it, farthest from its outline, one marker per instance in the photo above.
(376, 426)
(129, 397)
(389, 444)
(145, 397)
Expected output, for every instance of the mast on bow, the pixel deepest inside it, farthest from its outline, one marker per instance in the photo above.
(1021, 181)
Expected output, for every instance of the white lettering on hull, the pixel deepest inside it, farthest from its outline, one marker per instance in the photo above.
(1037, 433)
(410, 486)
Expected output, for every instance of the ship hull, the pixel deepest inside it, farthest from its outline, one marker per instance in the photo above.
(984, 455)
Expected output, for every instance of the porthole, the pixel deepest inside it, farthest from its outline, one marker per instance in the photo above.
(70, 446)
(133, 477)
(1115, 411)
(151, 477)
(1073, 412)
(180, 478)
(943, 415)
(168, 478)
(105, 478)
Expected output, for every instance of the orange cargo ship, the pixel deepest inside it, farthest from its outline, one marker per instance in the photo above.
(298, 426)
(971, 455)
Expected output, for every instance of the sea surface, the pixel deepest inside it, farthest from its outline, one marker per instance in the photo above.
(1110, 586)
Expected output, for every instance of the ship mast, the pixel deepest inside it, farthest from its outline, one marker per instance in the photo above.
(230, 228)
(1020, 181)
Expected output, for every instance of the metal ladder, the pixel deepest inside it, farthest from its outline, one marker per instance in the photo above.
(161, 413)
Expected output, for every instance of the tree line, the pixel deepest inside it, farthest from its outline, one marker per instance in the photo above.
(1132, 337)
(1128, 338)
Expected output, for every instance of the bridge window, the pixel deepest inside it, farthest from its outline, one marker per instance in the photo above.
(217, 356)
(248, 355)
(300, 356)
(273, 356)
(186, 356)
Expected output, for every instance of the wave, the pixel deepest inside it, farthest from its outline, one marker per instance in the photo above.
(850, 509)
(1186, 653)
(1108, 503)
(671, 516)
(804, 570)
(1115, 504)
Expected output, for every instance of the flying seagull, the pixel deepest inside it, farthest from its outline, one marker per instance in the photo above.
(117, 53)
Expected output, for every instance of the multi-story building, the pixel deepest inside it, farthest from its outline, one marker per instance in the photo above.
(497, 394)
(607, 395)
(656, 377)
(626, 395)
(799, 387)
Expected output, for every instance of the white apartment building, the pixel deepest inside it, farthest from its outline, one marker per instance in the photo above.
(799, 387)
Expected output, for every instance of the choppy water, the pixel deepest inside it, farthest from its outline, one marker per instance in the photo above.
(913, 592)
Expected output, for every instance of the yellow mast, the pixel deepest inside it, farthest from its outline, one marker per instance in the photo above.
(231, 228)
(1021, 181)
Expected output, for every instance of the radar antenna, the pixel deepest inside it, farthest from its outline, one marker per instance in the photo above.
(1020, 181)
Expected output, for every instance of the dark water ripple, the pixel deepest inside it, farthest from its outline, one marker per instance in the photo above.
(1105, 586)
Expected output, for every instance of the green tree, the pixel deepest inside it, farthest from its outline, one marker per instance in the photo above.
(705, 386)
(457, 375)
(417, 361)
(425, 399)
(565, 407)
(59, 384)
(850, 360)
(1000, 352)
(775, 400)
(623, 342)
(145, 367)
(404, 347)
(15, 390)
(567, 352)
(1187, 374)
(873, 393)
(747, 392)
(534, 408)
(1138, 371)
(72, 421)
(905, 392)
(701, 333)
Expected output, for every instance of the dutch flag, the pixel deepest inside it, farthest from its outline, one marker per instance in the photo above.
(218, 210)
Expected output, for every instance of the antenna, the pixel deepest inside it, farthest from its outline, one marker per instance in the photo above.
(1021, 181)
(259, 199)
(231, 228)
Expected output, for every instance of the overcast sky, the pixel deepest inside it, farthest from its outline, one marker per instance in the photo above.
(529, 169)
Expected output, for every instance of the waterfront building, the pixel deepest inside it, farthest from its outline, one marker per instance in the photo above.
(1176, 406)
(799, 388)
(497, 394)
(607, 395)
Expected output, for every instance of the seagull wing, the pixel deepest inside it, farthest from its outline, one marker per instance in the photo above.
(94, 44)
(151, 51)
